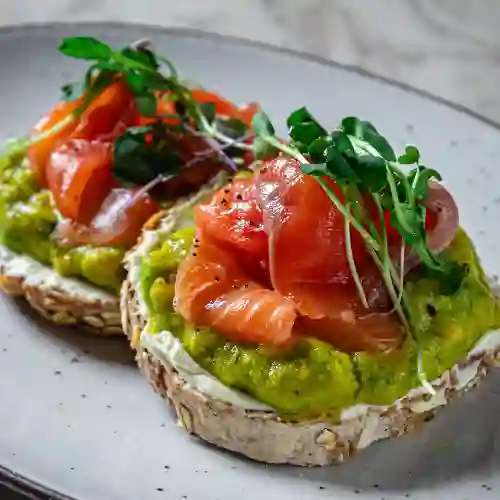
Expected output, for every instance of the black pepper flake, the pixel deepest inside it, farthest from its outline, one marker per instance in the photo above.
(75, 359)
(407, 495)
(376, 486)
(58, 372)
(166, 467)
(83, 396)
(357, 492)
(239, 197)
(223, 202)
(217, 278)
(4, 349)
(71, 468)
(159, 489)
(227, 191)
(195, 254)
(321, 487)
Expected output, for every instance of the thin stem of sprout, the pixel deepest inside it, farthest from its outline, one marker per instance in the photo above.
(421, 374)
(147, 187)
(386, 275)
(395, 198)
(350, 259)
(209, 129)
(393, 167)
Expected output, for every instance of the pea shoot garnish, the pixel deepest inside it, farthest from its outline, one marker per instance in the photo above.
(363, 164)
(143, 154)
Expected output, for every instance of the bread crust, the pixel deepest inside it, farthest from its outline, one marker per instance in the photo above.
(62, 300)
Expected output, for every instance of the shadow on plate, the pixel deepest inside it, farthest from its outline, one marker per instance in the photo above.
(77, 342)
(461, 443)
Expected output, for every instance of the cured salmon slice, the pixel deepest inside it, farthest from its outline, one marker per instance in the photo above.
(213, 289)
(273, 259)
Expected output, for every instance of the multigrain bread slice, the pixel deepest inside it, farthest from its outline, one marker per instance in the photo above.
(64, 301)
(262, 435)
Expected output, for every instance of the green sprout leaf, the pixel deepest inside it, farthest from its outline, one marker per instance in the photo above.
(365, 131)
(209, 110)
(146, 104)
(316, 169)
(262, 150)
(141, 154)
(306, 132)
(372, 172)
(412, 155)
(339, 167)
(262, 124)
(420, 178)
(84, 47)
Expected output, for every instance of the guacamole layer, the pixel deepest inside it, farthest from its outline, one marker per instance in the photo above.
(312, 379)
(27, 222)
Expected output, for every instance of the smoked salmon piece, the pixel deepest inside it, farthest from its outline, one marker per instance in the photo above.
(279, 237)
(278, 240)
(213, 289)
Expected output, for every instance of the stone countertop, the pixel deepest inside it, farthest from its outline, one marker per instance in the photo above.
(450, 48)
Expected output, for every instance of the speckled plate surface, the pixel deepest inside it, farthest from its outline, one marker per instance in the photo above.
(77, 420)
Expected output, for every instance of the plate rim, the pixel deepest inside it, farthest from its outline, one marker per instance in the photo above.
(24, 485)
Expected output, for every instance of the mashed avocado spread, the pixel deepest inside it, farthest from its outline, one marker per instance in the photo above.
(313, 379)
(28, 219)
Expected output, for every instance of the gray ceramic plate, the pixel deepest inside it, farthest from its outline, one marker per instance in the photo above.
(76, 417)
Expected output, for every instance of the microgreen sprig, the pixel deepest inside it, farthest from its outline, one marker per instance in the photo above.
(142, 153)
(363, 164)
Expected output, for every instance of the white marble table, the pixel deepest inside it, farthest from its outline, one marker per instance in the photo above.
(450, 48)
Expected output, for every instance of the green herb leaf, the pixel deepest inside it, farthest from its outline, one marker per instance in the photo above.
(412, 155)
(146, 104)
(352, 125)
(141, 154)
(409, 222)
(421, 185)
(306, 132)
(367, 132)
(262, 124)
(339, 167)
(143, 56)
(231, 127)
(262, 150)
(372, 172)
(209, 110)
(316, 169)
(302, 115)
(84, 47)
(316, 149)
(342, 142)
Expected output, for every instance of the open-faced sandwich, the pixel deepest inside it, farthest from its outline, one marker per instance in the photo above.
(74, 195)
(325, 302)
